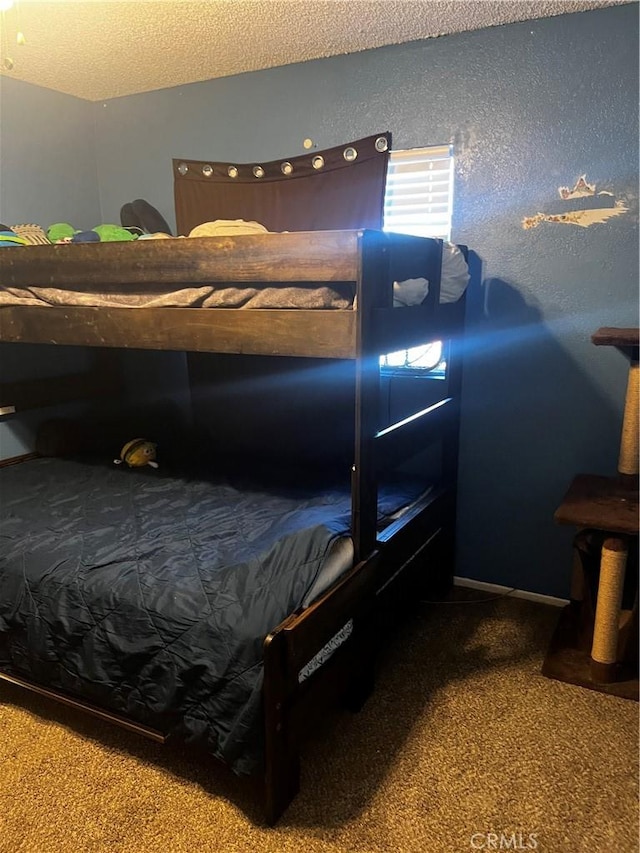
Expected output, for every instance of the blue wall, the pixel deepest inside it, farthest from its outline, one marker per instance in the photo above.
(529, 108)
(48, 167)
(47, 174)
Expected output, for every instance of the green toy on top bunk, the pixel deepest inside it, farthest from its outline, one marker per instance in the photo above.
(138, 220)
(62, 232)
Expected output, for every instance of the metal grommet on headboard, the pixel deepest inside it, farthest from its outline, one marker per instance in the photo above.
(381, 143)
(258, 172)
(207, 171)
(232, 171)
(183, 168)
(286, 168)
(317, 162)
(350, 154)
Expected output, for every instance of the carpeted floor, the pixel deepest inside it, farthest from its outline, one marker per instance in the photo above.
(463, 737)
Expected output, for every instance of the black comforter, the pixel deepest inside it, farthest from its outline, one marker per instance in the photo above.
(150, 595)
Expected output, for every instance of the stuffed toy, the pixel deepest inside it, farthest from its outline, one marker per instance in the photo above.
(62, 232)
(113, 233)
(137, 453)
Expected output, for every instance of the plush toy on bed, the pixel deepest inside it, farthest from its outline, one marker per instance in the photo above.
(137, 453)
(62, 232)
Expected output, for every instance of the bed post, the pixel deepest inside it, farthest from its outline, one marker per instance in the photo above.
(373, 291)
(281, 756)
(451, 445)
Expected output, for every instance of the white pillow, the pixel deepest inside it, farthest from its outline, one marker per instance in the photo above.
(455, 274)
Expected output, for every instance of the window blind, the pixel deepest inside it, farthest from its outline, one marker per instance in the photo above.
(419, 192)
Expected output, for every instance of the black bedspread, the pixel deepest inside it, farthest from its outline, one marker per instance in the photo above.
(150, 595)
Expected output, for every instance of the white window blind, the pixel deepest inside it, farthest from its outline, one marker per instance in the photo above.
(419, 200)
(419, 192)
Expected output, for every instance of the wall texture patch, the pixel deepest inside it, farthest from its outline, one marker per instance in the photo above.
(591, 215)
(583, 218)
(581, 189)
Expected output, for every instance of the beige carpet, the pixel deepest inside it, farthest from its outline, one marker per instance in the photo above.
(463, 737)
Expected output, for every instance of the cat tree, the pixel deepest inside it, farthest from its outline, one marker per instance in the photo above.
(596, 642)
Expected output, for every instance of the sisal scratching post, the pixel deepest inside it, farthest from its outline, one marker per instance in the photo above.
(605, 632)
(628, 460)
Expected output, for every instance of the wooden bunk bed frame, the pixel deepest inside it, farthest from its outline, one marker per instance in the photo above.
(386, 564)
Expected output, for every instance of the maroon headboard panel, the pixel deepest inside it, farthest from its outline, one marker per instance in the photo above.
(339, 188)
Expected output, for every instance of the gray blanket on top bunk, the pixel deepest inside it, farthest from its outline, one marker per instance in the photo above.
(335, 296)
(150, 595)
(332, 295)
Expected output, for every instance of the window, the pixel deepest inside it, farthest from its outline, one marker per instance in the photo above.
(417, 361)
(418, 200)
(419, 192)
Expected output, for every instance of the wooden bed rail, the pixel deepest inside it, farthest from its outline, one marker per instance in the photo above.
(264, 331)
(275, 258)
(317, 334)
(310, 256)
(85, 707)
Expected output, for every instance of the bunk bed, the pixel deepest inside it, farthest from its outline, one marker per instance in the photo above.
(317, 645)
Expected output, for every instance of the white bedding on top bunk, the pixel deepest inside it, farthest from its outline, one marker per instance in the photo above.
(339, 295)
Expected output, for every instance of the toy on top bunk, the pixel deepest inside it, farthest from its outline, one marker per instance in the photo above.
(139, 220)
(138, 453)
(62, 232)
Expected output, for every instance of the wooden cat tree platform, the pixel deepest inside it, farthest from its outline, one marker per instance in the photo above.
(596, 642)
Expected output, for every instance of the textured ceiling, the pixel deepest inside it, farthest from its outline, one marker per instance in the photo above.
(97, 50)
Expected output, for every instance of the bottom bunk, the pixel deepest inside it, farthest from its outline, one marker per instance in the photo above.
(223, 613)
(150, 594)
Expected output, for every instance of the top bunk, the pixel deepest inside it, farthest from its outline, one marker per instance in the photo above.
(321, 294)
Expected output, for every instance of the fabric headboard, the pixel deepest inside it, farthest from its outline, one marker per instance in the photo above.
(339, 188)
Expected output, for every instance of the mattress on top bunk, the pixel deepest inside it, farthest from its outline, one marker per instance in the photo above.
(309, 296)
(150, 595)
